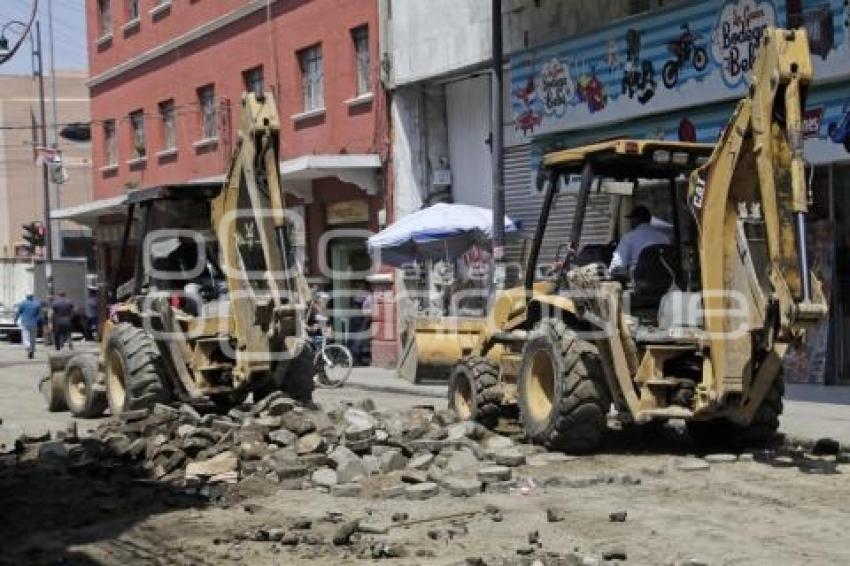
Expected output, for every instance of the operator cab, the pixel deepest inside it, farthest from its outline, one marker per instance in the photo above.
(636, 174)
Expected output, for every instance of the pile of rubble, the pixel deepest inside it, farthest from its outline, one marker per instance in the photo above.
(349, 451)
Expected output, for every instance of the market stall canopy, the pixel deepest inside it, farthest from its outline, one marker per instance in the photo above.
(442, 231)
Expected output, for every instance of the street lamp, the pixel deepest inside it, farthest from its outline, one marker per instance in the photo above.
(4, 41)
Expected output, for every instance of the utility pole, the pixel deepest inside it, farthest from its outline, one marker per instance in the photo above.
(497, 148)
(54, 118)
(45, 174)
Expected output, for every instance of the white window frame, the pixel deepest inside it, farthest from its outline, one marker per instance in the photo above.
(208, 112)
(312, 78)
(104, 14)
(250, 79)
(362, 60)
(168, 118)
(137, 133)
(133, 12)
(110, 143)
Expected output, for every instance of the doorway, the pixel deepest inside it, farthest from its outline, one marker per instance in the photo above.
(350, 264)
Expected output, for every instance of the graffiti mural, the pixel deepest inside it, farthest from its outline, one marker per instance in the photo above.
(695, 53)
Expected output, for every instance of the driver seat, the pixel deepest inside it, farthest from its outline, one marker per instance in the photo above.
(653, 276)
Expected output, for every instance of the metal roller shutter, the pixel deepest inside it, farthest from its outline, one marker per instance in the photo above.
(523, 202)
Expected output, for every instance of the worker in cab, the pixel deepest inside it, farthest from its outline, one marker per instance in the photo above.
(642, 234)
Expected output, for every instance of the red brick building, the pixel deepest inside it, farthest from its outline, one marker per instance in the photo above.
(166, 81)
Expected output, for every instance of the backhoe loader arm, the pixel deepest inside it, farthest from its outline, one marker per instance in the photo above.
(266, 286)
(758, 165)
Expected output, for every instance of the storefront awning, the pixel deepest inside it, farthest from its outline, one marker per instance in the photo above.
(359, 169)
(89, 212)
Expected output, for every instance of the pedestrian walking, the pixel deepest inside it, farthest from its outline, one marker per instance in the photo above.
(63, 319)
(91, 311)
(27, 317)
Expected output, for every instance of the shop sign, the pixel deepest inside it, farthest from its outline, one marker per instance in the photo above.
(694, 54)
(739, 30)
(347, 212)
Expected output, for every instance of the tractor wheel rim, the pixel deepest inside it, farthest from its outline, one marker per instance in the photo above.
(540, 388)
(76, 387)
(115, 380)
(463, 400)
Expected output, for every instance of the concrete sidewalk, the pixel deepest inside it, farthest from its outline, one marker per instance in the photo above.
(811, 411)
(388, 381)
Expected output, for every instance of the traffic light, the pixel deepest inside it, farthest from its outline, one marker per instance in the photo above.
(34, 236)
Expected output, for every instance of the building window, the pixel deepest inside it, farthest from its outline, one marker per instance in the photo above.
(110, 146)
(169, 126)
(209, 124)
(105, 17)
(253, 79)
(137, 129)
(312, 79)
(132, 10)
(360, 36)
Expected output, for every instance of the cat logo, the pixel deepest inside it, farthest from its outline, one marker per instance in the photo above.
(699, 194)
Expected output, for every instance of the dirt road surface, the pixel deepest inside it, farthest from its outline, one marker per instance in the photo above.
(766, 507)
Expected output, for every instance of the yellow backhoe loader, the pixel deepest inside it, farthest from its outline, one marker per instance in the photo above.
(698, 328)
(215, 307)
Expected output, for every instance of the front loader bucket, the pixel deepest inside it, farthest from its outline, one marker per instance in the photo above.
(432, 346)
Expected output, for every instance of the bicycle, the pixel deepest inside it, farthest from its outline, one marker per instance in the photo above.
(332, 363)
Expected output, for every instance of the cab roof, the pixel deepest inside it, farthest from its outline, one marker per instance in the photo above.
(631, 158)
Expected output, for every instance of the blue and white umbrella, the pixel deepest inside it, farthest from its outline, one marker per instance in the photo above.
(442, 231)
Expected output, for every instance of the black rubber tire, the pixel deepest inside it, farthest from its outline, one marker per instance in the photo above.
(761, 430)
(294, 378)
(700, 58)
(93, 403)
(670, 74)
(51, 388)
(577, 417)
(144, 370)
(476, 380)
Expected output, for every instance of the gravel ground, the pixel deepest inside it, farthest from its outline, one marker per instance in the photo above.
(644, 500)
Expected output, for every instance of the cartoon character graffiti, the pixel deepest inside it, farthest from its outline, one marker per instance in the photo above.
(685, 50)
(839, 132)
(531, 114)
(638, 75)
(592, 91)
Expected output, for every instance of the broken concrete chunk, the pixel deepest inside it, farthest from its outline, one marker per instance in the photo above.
(280, 406)
(421, 461)
(414, 476)
(692, 465)
(324, 477)
(492, 474)
(309, 443)
(508, 457)
(221, 464)
(421, 491)
(298, 423)
(357, 418)
(721, 458)
(462, 487)
(391, 461)
(282, 437)
(346, 490)
(496, 442)
(462, 461)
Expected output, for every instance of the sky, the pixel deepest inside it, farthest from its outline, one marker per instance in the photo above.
(69, 31)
